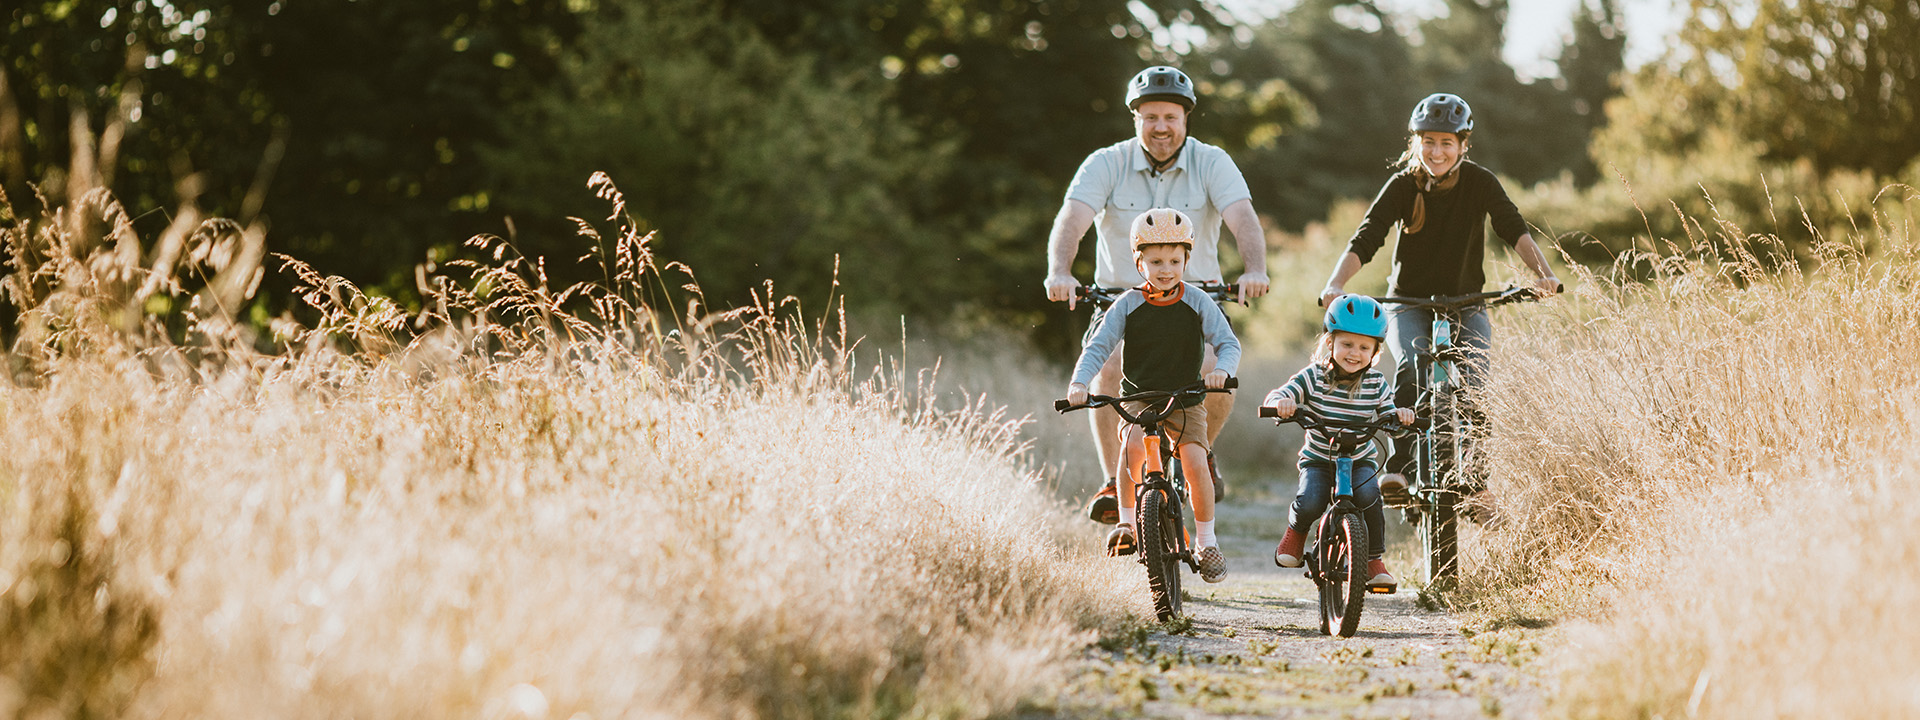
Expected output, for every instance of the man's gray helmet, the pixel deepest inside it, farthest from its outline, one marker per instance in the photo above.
(1441, 112)
(1161, 83)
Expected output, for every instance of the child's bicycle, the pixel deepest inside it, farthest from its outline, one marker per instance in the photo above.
(1160, 495)
(1222, 293)
(1445, 471)
(1338, 550)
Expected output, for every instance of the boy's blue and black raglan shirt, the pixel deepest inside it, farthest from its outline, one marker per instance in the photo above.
(1446, 256)
(1163, 341)
(1312, 388)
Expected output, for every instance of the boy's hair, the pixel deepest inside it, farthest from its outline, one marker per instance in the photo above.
(1161, 226)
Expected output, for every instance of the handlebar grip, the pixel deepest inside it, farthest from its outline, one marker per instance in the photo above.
(1233, 383)
(1061, 406)
(1269, 411)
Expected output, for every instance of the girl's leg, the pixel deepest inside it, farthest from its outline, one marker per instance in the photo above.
(1316, 490)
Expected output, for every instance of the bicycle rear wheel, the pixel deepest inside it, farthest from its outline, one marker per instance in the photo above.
(1157, 548)
(1343, 573)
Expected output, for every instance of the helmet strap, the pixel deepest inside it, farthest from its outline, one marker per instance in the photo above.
(1159, 166)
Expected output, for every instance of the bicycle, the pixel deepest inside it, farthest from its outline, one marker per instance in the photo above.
(1222, 293)
(1337, 558)
(1160, 495)
(1444, 470)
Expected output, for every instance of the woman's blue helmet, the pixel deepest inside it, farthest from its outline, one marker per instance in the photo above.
(1357, 314)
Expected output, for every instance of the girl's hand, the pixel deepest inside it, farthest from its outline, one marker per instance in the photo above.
(1077, 394)
(1216, 379)
(1405, 415)
(1284, 407)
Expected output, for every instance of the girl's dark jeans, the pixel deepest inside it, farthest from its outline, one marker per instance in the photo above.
(1316, 492)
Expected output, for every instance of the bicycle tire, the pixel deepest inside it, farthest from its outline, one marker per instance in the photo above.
(1156, 548)
(1343, 574)
(1439, 522)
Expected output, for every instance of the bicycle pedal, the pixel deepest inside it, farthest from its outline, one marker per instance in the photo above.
(1381, 590)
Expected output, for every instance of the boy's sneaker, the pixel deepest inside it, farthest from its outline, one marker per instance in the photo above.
(1213, 567)
(1393, 490)
(1120, 541)
(1288, 553)
(1104, 507)
(1382, 581)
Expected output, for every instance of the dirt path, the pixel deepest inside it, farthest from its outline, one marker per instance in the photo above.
(1254, 649)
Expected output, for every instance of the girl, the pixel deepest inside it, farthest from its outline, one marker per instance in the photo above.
(1441, 201)
(1340, 385)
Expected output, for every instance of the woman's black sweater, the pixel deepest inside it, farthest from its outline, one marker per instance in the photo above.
(1446, 255)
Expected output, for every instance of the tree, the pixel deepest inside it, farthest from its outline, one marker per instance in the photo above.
(1590, 65)
(1832, 82)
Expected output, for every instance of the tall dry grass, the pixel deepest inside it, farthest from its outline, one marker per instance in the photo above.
(503, 506)
(1713, 469)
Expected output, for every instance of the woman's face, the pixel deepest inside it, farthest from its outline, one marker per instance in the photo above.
(1440, 151)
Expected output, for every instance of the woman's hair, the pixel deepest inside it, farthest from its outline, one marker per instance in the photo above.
(1410, 157)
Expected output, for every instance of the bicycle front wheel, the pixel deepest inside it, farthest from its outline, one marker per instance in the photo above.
(1343, 574)
(1158, 549)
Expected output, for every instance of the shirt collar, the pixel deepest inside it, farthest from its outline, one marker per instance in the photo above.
(1142, 165)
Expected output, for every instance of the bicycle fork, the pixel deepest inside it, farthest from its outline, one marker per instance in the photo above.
(1153, 476)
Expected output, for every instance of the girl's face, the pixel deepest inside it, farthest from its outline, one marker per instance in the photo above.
(1353, 353)
(1440, 151)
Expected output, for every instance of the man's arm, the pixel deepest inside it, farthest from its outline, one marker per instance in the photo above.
(1063, 244)
(1244, 223)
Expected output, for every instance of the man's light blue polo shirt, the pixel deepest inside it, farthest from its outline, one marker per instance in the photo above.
(1119, 184)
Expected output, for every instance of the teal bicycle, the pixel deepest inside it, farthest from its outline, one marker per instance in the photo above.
(1445, 470)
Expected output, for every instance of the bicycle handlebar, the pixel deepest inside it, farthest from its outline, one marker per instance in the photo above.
(1095, 401)
(1104, 296)
(1308, 420)
(1504, 296)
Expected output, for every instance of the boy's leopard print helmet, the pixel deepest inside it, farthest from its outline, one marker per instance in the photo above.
(1162, 226)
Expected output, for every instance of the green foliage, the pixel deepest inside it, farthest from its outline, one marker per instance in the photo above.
(1831, 82)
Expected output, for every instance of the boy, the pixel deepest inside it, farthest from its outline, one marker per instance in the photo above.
(1163, 323)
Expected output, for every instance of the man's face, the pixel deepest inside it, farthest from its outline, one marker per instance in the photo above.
(1163, 265)
(1161, 127)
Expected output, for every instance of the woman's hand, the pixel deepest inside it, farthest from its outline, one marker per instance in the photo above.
(1283, 407)
(1547, 285)
(1076, 394)
(1216, 379)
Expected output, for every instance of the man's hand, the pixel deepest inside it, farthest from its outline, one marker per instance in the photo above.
(1329, 295)
(1076, 394)
(1253, 285)
(1283, 407)
(1060, 288)
(1405, 415)
(1216, 379)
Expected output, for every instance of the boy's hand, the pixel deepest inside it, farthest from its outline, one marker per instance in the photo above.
(1077, 394)
(1284, 407)
(1405, 415)
(1217, 379)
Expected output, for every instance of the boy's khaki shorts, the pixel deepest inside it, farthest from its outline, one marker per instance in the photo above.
(1176, 424)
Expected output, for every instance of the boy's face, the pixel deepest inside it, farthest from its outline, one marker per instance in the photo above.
(1162, 264)
(1353, 352)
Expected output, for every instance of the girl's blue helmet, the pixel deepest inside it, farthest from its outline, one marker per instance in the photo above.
(1357, 314)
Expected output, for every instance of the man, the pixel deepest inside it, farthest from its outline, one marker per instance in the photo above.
(1160, 167)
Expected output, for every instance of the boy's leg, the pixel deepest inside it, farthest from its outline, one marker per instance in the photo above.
(1193, 463)
(1106, 440)
(1122, 539)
